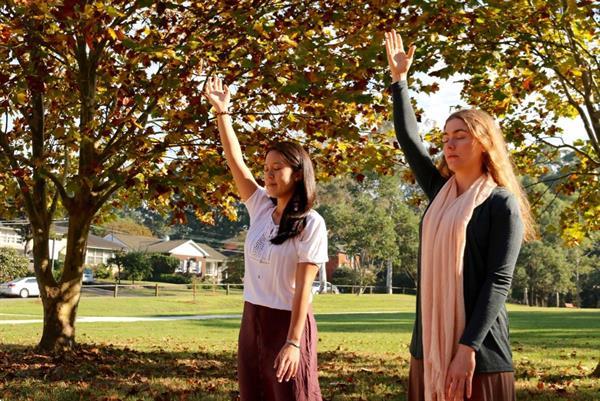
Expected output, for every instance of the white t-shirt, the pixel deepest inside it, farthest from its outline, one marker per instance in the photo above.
(270, 270)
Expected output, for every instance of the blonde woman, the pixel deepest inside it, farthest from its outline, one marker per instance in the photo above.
(471, 235)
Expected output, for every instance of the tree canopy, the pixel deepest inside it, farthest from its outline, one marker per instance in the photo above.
(102, 108)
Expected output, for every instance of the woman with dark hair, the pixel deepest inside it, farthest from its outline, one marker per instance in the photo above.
(470, 238)
(285, 243)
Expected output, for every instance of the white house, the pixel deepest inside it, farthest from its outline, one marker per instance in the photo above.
(199, 259)
(10, 238)
(98, 250)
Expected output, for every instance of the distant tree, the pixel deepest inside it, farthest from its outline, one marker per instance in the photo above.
(234, 274)
(371, 221)
(122, 225)
(118, 260)
(586, 263)
(136, 266)
(547, 271)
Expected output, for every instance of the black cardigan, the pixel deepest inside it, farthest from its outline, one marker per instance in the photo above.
(494, 236)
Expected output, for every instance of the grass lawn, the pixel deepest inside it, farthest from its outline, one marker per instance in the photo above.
(362, 356)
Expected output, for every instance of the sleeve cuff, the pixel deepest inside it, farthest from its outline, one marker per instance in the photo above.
(398, 84)
(470, 344)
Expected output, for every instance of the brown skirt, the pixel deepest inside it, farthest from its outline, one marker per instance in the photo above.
(262, 335)
(497, 386)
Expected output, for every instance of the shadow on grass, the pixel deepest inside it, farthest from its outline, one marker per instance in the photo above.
(107, 373)
(103, 372)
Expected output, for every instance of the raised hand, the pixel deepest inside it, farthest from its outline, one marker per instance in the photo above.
(217, 94)
(398, 60)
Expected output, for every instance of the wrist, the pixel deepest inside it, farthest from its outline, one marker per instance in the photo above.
(222, 113)
(465, 349)
(295, 344)
(399, 77)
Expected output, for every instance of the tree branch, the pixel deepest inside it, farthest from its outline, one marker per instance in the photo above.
(574, 148)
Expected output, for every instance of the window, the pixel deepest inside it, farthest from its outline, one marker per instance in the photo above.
(9, 237)
(211, 268)
(97, 256)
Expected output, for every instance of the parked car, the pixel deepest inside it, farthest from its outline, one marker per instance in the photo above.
(22, 287)
(329, 288)
(88, 276)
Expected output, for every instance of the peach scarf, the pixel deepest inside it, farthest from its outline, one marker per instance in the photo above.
(442, 301)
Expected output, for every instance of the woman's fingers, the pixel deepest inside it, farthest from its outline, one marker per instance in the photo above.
(411, 51)
(284, 366)
(388, 49)
(452, 387)
(459, 392)
(280, 370)
(397, 44)
(399, 41)
(469, 384)
(455, 388)
(290, 372)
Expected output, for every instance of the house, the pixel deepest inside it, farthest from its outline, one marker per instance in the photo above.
(190, 255)
(194, 258)
(214, 263)
(10, 238)
(340, 259)
(98, 250)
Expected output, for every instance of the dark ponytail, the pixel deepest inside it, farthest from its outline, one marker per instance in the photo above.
(294, 215)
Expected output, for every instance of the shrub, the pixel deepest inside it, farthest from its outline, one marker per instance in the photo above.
(103, 271)
(13, 264)
(163, 264)
(174, 278)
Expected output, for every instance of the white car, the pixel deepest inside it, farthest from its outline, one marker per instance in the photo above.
(329, 288)
(88, 276)
(22, 287)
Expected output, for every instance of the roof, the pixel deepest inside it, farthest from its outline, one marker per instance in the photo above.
(166, 246)
(135, 242)
(212, 253)
(59, 228)
(100, 243)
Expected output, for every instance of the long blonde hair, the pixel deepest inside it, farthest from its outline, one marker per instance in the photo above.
(496, 161)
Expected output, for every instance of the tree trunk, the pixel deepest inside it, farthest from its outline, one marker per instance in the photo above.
(60, 299)
(532, 300)
(596, 372)
(59, 320)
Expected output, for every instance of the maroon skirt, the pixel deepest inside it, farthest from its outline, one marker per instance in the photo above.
(497, 386)
(262, 335)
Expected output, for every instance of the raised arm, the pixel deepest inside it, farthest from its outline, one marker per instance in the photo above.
(405, 122)
(218, 96)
